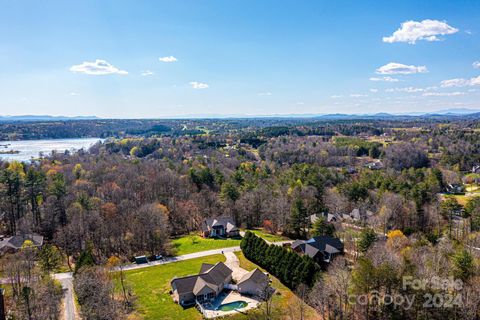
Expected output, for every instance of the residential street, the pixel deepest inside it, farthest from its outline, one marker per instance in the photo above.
(69, 307)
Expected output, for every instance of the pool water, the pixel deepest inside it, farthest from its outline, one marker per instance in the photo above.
(233, 306)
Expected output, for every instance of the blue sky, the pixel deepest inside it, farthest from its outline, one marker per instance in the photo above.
(237, 57)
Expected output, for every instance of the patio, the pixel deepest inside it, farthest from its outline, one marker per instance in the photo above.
(210, 311)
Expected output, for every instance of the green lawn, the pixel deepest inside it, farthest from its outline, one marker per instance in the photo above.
(152, 285)
(284, 298)
(194, 243)
(268, 236)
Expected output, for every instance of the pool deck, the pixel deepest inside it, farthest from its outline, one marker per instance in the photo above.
(232, 296)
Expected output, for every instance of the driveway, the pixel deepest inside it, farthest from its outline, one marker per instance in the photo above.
(181, 258)
(233, 263)
(69, 306)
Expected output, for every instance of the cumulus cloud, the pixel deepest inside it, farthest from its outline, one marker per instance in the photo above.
(444, 94)
(167, 59)
(264, 93)
(412, 31)
(386, 79)
(373, 90)
(476, 64)
(399, 68)
(98, 68)
(147, 73)
(198, 85)
(460, 82)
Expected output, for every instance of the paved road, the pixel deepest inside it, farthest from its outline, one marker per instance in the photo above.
(180, 258)
(69, 306)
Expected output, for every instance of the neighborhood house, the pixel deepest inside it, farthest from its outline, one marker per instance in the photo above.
(15, 243)
(322, 248)
(253, 283)
(204, 287)
(219, 227)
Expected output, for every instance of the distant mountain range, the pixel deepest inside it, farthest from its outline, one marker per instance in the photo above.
(45, 118)
(380, 115)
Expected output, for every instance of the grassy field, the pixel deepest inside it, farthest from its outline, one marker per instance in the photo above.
(152, 285)
(462, 199)
(285, 301)
(268, 236)
(194, 243)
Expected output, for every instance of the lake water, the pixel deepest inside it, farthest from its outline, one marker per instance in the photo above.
(29, 149)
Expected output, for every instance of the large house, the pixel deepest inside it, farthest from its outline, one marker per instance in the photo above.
(204, 287)
(219, 227)
(322, 248)
(15, 243)
(253, 283)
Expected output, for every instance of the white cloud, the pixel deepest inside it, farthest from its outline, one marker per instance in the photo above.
(300, 103)
(264, 93)
(198, 85)
(373, 90)
(386, 79)
(167, 59)
(412, 31)
(147, 73)
(336, 96)
(444, 94)
(358, 95)
(476, 64)
(73, 93)
(399, 68)
(97, 68)
(406, 89)
(460, 82)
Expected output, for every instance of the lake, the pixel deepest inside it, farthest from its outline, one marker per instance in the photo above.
(28, 149)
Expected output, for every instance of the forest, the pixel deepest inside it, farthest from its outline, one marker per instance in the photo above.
(153, 181)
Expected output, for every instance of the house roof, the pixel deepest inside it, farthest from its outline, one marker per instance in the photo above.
(16, 242)
(225, 222)
(256, 275)
(205, 267)
(318, 244)
(211, 276)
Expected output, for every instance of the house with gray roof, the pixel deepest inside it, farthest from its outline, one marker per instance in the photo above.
(253, 283)
(15, 243)
(203, 287)
(322, 249)
(220, 227)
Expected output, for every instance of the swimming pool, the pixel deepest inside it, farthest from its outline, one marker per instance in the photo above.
(232, 306)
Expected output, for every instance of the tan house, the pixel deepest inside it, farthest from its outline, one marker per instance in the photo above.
(204, 287)
(253, 283)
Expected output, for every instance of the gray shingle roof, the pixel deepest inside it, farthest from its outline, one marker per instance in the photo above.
(256, 276)
(210, 275)
(225, 222)
(318, 244)
(16, 242)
